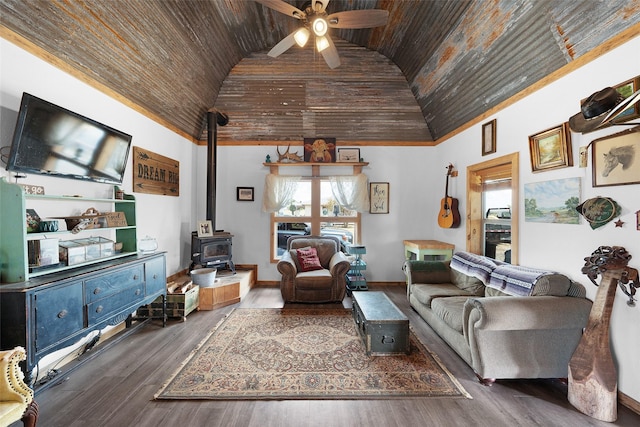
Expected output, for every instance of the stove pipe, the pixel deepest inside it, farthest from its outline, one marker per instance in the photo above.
(215, 118)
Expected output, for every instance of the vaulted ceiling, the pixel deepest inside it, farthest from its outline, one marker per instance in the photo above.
(434, 68)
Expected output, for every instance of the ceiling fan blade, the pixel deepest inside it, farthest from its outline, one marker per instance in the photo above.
(330, 54)
(323, 5)
(283, 45)
(358, 18)
(283, 7)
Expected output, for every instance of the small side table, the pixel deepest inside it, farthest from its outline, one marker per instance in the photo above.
(428, 250)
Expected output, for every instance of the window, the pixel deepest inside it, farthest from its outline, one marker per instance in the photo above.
(313, 210)
(496, 199)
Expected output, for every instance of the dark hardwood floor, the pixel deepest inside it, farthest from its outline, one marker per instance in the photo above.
(116, 388)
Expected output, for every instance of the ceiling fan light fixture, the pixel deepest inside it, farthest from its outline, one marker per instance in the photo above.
(302, 36)
(322, 43)
(320, 27)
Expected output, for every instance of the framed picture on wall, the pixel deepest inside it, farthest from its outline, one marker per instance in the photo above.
(489, 137)
(244, 194)
(626, 89)
(379, 197)
(551, 149)
(614, 159)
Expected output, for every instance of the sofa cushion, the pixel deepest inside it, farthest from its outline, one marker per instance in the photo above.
(314, 280)
(553, 284)
(525, 281)
(425, 294)
(470, 284)
(477, 266)
(450, 310)
(429, 272)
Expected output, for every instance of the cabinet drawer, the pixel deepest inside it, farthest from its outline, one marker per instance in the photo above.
(112, 283)
(100, 310)
(58, 314)
(155, 277)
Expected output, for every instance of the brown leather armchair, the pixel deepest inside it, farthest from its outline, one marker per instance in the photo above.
(327, 284)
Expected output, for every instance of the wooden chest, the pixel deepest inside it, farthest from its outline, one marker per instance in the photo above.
(178, 305)
(383, 327)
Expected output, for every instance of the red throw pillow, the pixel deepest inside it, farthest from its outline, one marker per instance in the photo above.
(308, 259)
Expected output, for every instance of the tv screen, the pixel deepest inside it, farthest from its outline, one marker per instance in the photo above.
(52, 140)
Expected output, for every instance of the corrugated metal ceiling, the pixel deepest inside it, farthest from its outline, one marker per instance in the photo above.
(175, 58)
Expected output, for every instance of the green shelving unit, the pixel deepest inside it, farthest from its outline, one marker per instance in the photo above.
(14, 266)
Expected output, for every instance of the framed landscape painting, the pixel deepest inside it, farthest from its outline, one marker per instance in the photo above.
(552, 201)
(551, 149)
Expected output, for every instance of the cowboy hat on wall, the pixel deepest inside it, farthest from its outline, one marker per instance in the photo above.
(600, 109)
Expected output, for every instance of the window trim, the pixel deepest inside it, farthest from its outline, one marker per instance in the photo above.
(491, 169)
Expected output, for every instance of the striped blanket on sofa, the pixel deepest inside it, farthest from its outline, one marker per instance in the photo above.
(507, 278)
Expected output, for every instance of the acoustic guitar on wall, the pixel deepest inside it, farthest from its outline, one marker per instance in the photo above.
(448, 217)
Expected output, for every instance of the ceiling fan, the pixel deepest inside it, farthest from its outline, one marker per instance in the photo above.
(316, 21)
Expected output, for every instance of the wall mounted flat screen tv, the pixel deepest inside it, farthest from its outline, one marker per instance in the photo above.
(52, 140)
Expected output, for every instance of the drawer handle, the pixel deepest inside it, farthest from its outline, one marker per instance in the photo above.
(96, 291)
(388, 340)
(138, 292)
(99, 309)
(155, 276)
(62, 314)
(135, 277)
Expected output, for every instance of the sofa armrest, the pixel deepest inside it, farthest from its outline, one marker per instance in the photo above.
(521, 313)
(523, 337)
(286, 266)
(339, 264)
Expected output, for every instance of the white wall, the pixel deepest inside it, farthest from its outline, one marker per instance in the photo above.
(168, 219)
(416, 176)
(557, 246)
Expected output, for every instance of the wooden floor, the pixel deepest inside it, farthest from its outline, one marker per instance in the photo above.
(116, 388)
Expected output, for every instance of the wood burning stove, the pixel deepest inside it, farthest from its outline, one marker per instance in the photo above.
(213, 251)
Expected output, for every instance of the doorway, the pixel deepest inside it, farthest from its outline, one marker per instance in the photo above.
(492, 208)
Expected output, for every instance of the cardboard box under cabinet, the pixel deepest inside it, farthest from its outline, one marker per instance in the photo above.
(220, 296)
(178, 305)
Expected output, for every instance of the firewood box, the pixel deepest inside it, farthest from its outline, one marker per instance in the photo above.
(179, 305)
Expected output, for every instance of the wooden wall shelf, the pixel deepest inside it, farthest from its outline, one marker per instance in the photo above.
(315, 167)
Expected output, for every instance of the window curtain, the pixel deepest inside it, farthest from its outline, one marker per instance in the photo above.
(278, 191)
(351, 191)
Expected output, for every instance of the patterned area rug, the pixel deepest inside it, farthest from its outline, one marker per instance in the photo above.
(303, 354)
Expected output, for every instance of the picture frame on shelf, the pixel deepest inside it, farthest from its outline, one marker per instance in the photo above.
(348, 155)
(244, 194)
(319, 150)
(551, 149)
(33, 221)
(489, 137)
(205, 228)
(379, 197)
(612, 157)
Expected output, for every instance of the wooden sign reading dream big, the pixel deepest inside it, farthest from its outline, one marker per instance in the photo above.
(155, 174)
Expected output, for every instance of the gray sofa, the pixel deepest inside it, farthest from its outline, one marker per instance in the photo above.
(504, 321)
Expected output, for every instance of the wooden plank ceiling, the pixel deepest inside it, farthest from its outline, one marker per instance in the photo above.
(436, 65)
